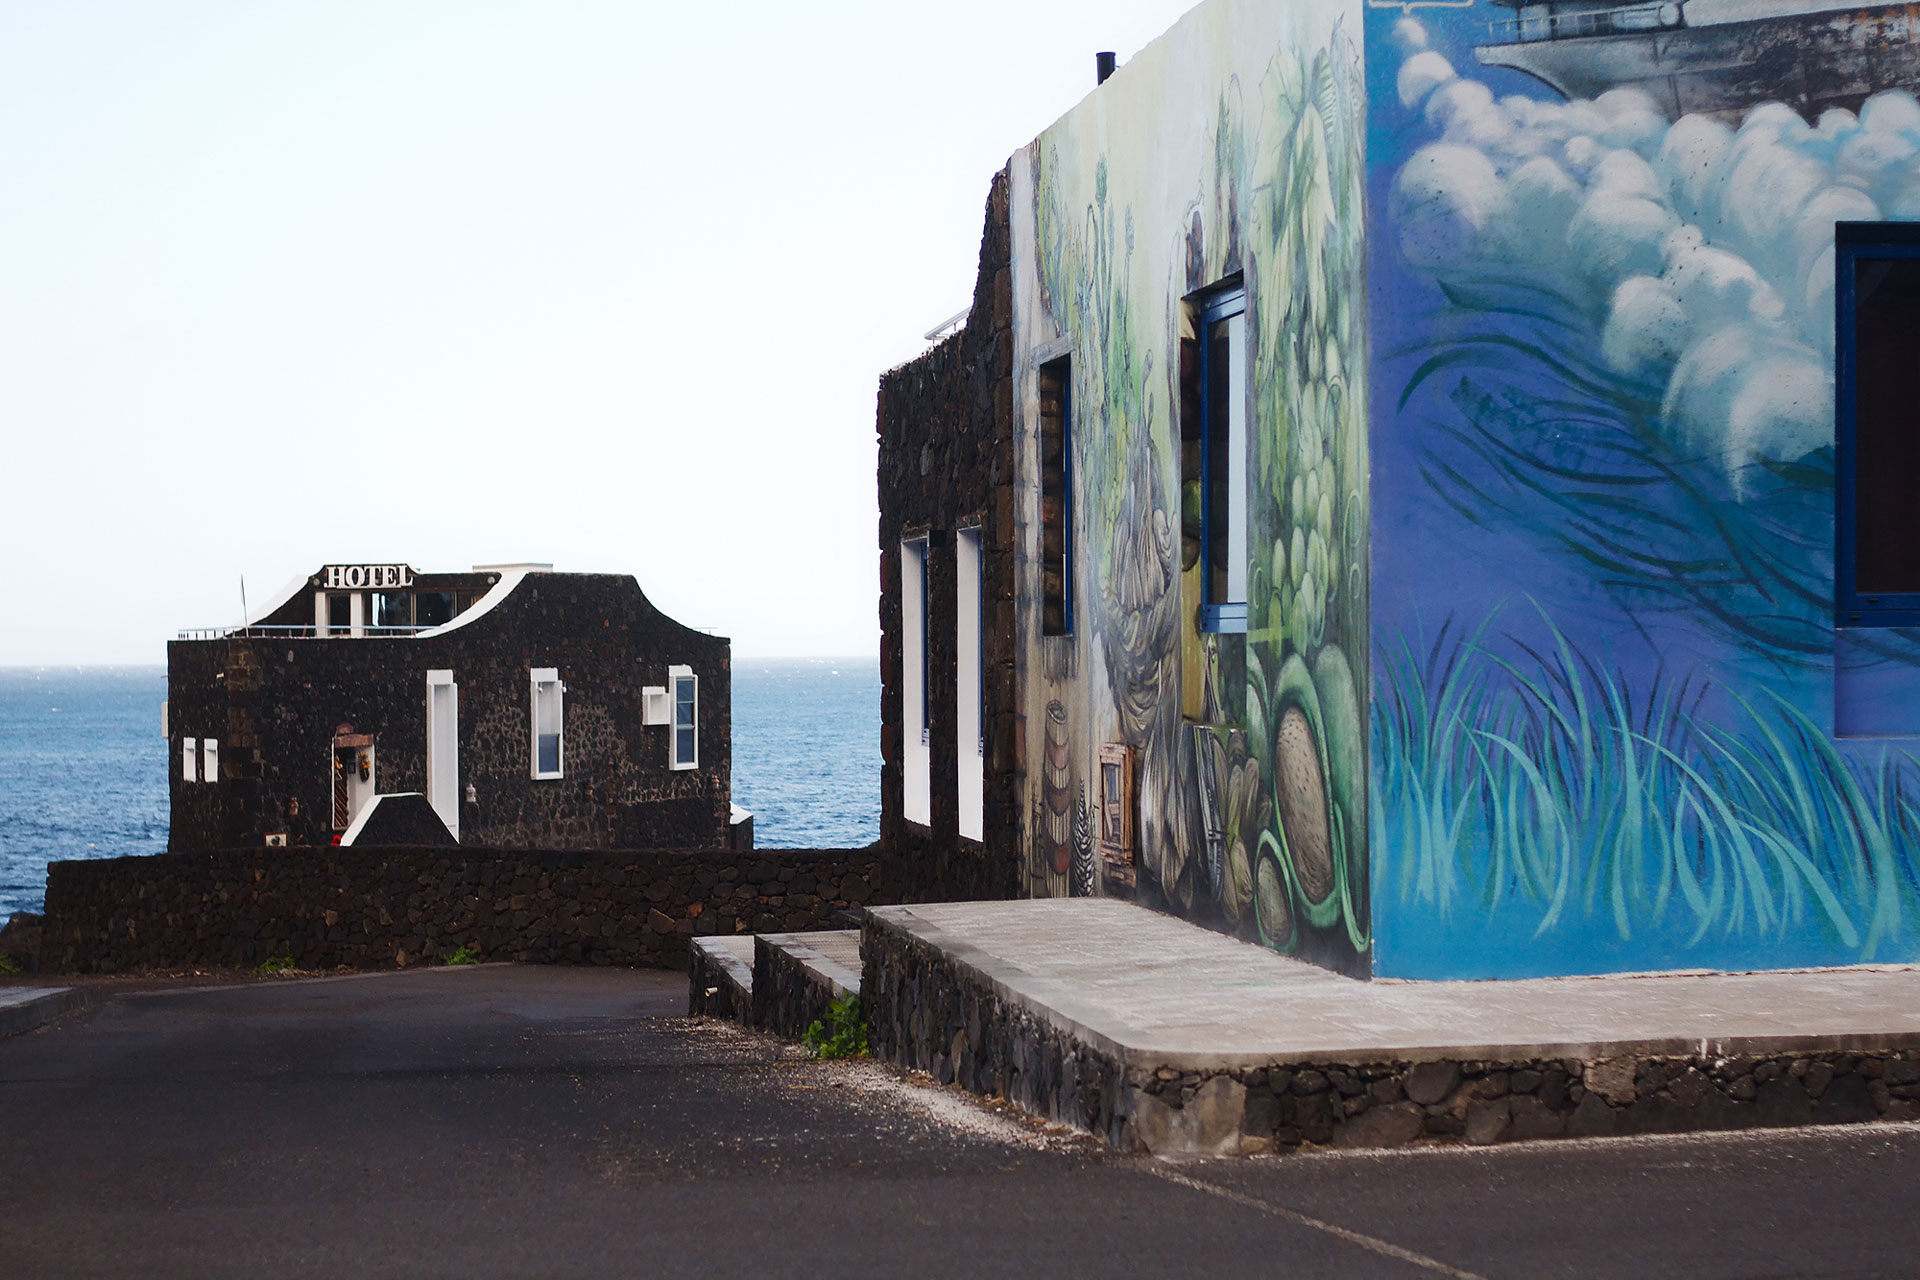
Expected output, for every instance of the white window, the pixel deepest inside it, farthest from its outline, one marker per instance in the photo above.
(209, 760)
(969, 681)
(189, 760)
(916, 757)
(686, 717)
(547, 733)
(443, 748)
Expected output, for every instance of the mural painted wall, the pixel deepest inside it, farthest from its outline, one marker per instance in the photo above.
(1228, 151)
(1603, 722)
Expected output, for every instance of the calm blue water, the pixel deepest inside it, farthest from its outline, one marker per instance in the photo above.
(83, 769)
(806, 751)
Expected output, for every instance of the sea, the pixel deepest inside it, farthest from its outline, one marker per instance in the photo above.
(83, 768)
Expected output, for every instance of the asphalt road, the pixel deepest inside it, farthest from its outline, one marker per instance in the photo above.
(567, 1122)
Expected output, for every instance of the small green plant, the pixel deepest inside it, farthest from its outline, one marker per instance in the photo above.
(9, 967)
(282, 963)
(465, 955)
(841, 1034)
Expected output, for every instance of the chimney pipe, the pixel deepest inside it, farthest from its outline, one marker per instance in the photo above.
(1103, 65)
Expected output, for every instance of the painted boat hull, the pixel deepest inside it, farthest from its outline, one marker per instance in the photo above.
(1811, 62)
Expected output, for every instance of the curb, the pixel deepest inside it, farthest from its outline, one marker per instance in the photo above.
(21, 1016)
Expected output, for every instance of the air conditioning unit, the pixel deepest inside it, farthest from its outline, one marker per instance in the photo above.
(656, 706)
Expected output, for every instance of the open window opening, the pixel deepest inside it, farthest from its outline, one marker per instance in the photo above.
(1877, 445)
(1222, 413)
(1056, 497)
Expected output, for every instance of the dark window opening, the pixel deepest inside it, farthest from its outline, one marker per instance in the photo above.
(1877, 454)
(339, 612)
(432, 608)
(1056, 497)
(926, 652)
(980, 634)
(393, 609)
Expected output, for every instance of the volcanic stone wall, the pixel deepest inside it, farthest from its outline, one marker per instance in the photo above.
(928, 1010)
(945, 425)
(372, 908)
(275, 704)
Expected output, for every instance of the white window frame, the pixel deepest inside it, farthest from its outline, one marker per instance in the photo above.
(189, 759)
(916, 753)
(542, 677)
(446, 804)
(675, 677)
(969, 632)
(209, 759)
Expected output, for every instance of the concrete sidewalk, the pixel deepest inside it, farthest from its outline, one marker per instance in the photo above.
(1154, 1032)
(25, 1008)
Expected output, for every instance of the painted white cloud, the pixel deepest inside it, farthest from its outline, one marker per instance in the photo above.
(1647, 328)
(1421, 74)
(1704, 253)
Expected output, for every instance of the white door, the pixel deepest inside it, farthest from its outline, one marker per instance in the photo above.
(443, 748)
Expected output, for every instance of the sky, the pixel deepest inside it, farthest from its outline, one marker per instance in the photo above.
(608, 286)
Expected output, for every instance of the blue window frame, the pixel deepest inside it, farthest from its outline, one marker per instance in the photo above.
(1223, 459)
(1877, 437)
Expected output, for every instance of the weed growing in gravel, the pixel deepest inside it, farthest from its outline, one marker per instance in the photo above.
(465, 955)
(282, 963)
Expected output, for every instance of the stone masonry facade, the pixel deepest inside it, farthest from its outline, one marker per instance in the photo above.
(381, 907)
(946, 443)
(274, 706)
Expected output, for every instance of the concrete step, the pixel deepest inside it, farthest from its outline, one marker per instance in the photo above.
(797, 975)
(25, 1008)
(720, 978)
(1155, 1034)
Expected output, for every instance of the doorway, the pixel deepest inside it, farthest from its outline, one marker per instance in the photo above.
(353, 777)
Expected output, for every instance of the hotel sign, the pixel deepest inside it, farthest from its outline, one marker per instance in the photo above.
(354, 577)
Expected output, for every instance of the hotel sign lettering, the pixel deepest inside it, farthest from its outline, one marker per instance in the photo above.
(353, 577)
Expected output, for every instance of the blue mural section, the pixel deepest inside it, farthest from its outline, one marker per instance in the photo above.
(1603, 717)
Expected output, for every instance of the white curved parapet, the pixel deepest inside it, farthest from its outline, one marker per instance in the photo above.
(500, 590)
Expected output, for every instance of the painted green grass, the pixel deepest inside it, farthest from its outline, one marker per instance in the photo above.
(1513, 775)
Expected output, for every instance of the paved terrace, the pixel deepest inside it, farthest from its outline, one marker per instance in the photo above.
(1166, 992)
(1152, 1032)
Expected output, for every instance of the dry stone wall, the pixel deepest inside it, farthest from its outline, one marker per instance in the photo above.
(373, 908)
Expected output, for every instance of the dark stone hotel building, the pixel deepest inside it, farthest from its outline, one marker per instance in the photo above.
(527, 708)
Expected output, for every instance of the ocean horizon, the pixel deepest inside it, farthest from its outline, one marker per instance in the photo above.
(83, 768)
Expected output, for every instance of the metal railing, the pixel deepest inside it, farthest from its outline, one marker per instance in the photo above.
(1628, 20)
(308, 632)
